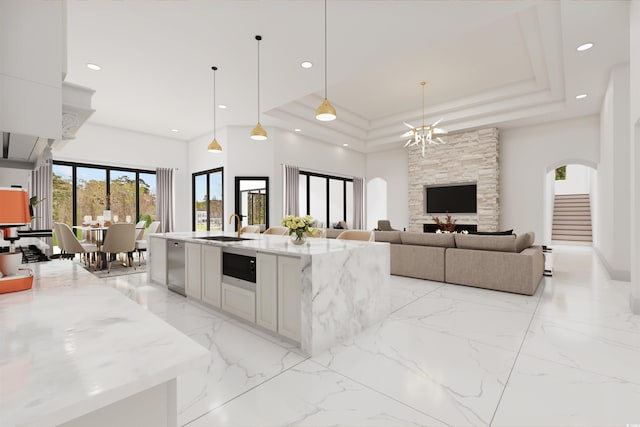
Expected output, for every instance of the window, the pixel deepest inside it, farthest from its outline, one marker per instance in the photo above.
(207, 200)
(328, 199)
(561, 173)
(84, 191)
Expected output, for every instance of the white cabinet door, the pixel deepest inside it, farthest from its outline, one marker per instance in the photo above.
(239, 301)
(211, 274)
(158, 259)
(193, 270)
(289, 277)
(267, 291)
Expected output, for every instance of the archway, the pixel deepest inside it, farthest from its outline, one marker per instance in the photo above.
(570, 198)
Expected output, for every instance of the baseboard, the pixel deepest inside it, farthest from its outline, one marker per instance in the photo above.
(614, 274)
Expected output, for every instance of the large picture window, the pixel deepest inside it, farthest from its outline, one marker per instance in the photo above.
(328, 199)
(82, 191)
(207, 200)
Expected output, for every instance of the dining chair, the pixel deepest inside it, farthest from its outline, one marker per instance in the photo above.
(280, 231)
(250, 229)
(73, 246)
(120, 239)
(140, 229)
(142, 244)
(56, 229)
(363, 235)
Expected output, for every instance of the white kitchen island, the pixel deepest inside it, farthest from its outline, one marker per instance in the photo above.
(88, 356)
(318, 294)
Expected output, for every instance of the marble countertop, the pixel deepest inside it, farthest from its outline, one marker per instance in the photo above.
(269, 243)
(65, 352)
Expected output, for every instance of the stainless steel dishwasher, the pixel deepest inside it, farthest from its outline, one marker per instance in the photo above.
(175, 266)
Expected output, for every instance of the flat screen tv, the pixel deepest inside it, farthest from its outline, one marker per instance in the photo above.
(460, 198)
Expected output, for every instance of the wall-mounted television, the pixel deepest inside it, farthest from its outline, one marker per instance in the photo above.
(455, 198)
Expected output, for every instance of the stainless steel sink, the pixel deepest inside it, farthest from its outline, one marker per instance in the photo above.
(224, 238)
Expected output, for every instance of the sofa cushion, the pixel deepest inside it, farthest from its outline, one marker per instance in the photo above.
(443, 240)
(332, 233)
(523, 241)
(388, 236)
(486, 243)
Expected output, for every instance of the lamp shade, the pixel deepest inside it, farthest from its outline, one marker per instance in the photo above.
(258, 133)
(325, 111)
(214, 147)
(14, 207)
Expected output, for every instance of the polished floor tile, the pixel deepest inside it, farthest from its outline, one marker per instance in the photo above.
(311, 395)
(405, 290)
(457, 381)
(542, 393)
(488, 324)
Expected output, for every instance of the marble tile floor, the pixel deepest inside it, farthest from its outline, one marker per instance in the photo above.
(448, 355)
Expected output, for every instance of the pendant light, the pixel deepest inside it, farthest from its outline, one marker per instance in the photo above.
(325, 111)
(258, 133)
(214, 147)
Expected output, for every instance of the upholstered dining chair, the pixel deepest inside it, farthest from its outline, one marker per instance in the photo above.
(121, 238)
(142, 244)
(280, 231)
(140, 229)
(363, 235)
(385, 225)
(71, 245)
(250, 229)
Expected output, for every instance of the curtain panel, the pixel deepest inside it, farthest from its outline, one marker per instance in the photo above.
(358, 203)
(164, 203)
(291, 190)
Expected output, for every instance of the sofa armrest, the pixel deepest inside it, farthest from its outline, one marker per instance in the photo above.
(503, 271)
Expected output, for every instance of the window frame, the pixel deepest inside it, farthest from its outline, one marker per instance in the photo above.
(107, 169)
(327, 178)
(193, 196)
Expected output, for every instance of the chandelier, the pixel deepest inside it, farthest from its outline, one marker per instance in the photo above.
(425, 134)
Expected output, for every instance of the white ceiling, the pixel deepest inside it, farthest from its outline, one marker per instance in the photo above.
(486, 63)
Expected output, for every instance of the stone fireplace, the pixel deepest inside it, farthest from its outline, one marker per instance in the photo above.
(466, 157)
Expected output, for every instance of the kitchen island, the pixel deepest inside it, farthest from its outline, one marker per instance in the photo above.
(318, 294)
(88, 356)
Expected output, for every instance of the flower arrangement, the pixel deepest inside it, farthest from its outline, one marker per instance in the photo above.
(449, 224)
(299, 225)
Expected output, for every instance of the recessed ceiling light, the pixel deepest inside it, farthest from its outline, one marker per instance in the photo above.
(584, 46)
(222, 106)
(94, 67)
(345, 145)
(175, 130)
(306, 64)
(297, 130)
(581, 96)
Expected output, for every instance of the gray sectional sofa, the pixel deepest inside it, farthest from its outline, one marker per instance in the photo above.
(506, 263)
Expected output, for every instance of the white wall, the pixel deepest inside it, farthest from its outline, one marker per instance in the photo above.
(245, 157)
(527, 154)
(105, 145)
(634, 21)
(391, 167)
(11, 176)
(576, 182)
(613, 208)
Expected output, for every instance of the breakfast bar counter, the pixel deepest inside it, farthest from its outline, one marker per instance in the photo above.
(318, 294)
(88, 356)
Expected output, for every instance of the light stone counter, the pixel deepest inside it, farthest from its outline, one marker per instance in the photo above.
(344, 283)
(74, 352)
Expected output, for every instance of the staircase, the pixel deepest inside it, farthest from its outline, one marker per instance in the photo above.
(572, 218)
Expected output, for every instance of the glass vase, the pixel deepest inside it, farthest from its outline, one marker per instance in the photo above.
(298, 239)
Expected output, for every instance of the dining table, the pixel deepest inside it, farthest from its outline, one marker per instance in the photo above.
(100, 233)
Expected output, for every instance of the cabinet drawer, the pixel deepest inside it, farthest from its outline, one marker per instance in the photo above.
(239, 301)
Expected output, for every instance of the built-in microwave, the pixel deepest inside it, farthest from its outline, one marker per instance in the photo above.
(239, 264)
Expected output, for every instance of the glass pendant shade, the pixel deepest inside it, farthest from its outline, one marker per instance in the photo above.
(258, 133)
(214, 147)
(326, 112)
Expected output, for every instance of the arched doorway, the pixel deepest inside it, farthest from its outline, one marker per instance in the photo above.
(571, 195)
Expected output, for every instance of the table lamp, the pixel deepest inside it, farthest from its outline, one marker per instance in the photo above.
(14, 212)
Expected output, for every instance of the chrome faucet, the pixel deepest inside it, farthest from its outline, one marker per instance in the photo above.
(231, 220)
